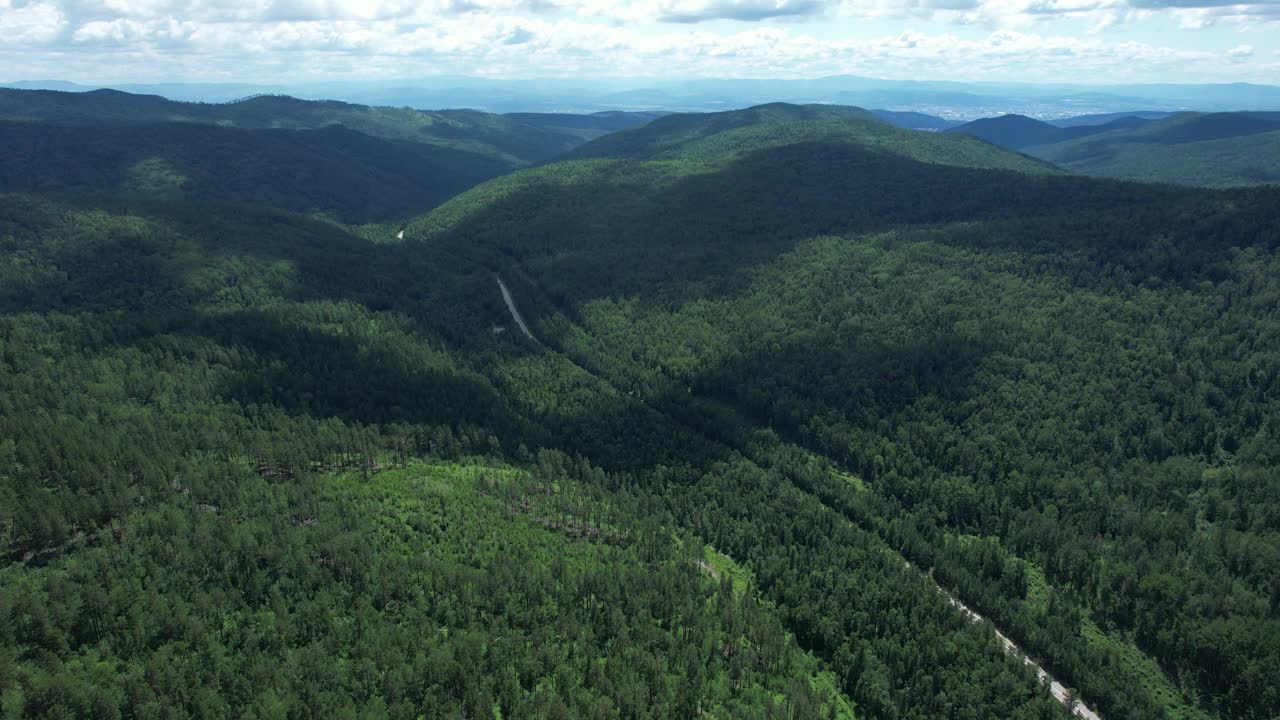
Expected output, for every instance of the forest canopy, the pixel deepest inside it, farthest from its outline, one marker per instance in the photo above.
(796, 379)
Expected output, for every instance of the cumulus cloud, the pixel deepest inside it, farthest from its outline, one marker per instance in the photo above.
(154, 39)
(693, 11)
(1173, 4)
(305, 10)
(33, 23)
(1099, 14)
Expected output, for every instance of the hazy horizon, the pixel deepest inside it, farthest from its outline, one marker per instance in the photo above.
(589, 81)
(1089, 42)
(950, 100)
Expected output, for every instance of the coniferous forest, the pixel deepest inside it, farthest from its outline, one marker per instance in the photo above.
(796, 383)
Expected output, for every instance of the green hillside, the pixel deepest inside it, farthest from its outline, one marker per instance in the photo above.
(999, 375)
(1231, 162)
(672, 131)
(793, 374)
(1214, 150)
(215, 370)
(1017, 132)
(353, 177)
(718, 138)
(513, 143)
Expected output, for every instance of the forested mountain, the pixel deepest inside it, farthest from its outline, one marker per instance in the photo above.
(354, 163)
(789, 367)
(513, 143)
(1003, 376)
(348, 175)
(719, 138)
(230, 390)
(1104, 118)
(1016, 132)
(679, 129)
(586, 127)
(1213, 150)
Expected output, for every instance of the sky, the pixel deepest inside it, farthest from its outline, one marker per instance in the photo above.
(274, 41)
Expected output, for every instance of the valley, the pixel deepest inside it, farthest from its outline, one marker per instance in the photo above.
(955, 419)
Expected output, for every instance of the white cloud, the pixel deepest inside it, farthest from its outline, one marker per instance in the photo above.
(32, 23)
(693, 11)
(1040, 39)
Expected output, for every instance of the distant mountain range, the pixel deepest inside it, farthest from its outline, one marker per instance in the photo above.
(448, 151)
(1208, 149)
(956, 101)
(353, 163)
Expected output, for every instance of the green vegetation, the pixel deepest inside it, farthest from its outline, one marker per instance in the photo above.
(438, 589)
(1019, 131)
(1007, 377)
(1245, 160)
(351, 163)
(507, 141)
(256, 465)
(352, 177)
(1152, 680)
(1215, 150)
(718, 138)
(204, 352)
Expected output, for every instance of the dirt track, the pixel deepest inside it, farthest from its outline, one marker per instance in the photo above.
(515, 311)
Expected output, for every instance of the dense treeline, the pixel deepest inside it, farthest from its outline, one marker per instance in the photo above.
(348, 175)
(1086, 373)
(179, 543)
(514, 143)
(442, 590)
(219, 351)
(820, 348)
(1100, 404)
(1211, 150)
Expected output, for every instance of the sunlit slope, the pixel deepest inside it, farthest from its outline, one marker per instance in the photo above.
(978, 344)
(744, 194)
(821, 347)
(718, 136)
(1215, 150)
(235, 383)
(463, 575)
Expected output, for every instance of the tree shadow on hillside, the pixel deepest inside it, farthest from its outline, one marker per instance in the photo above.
(688, 242)
(689, 239)
(332, 170)
(814, 390)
